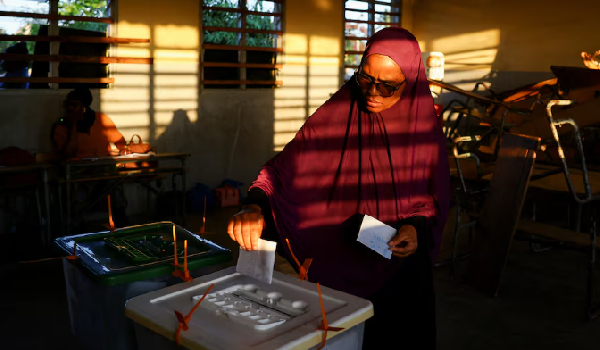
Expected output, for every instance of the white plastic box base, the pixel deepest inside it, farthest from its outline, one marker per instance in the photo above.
(351, 339)
(217, 329)
(97, 312)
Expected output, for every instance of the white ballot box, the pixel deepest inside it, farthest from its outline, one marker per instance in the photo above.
(241, 312)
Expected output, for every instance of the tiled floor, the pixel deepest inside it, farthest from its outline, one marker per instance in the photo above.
(541, 303)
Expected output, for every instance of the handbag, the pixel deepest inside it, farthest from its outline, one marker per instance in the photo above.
(140, 147)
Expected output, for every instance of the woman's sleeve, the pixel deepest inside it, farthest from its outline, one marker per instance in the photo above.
(423, 226)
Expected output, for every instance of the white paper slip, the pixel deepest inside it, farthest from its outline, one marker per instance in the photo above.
(376, 235)
(259, 263)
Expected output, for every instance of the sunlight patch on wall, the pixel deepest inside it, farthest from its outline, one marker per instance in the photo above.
(310, 74)
(467, 42)
(146, 96)
(468, 57)
(131, 30)
(176, 36)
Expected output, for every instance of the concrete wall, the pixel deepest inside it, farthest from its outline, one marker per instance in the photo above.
(507, 43)
(230, 133)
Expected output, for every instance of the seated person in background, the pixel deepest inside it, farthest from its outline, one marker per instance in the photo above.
(15, 69)
(84, 133)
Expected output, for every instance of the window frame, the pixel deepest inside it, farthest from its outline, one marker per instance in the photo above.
(242, 47)
(54, 57)
(371, 23)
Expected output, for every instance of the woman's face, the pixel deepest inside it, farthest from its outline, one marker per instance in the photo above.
(381, 69)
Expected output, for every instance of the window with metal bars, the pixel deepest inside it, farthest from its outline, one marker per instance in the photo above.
(57, 43)
(363, 18)
(241, 43)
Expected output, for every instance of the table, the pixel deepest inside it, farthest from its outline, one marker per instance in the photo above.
(42, 170)
(107, 168)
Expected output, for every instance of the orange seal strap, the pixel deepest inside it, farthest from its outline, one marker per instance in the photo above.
(111, 223)
(70, 257)
(74, 256)
(175, 260)
(202, 229)
(303, 275)
(304, 269)
(184, 320)
(324, 327)
(185, 273)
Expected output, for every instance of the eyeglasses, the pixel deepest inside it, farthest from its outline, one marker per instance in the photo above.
(384, 89)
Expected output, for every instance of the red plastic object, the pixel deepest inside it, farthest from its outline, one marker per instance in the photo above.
(438, 110)
(228, 196)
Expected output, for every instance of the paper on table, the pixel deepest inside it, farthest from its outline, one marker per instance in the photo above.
(376, 235)
(258, 263)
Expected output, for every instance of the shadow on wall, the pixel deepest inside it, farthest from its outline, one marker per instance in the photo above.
(232, 138)
(178, 136)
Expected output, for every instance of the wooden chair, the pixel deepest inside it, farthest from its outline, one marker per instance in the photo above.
(497, 224)
(577, 183)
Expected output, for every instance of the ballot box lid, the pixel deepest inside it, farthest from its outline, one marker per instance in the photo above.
(217, 324)
(139, 252)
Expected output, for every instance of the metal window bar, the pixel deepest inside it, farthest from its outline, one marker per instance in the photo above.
(242, 48)
(394, 18)
(53, 18)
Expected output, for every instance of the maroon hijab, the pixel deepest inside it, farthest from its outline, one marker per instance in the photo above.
(346, 161)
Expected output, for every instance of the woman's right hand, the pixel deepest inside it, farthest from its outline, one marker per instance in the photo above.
(246, 227)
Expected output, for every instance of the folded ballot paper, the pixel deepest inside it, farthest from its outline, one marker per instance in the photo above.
(258, 263)
(376, 235)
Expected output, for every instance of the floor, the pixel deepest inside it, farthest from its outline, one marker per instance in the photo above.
(541, 303)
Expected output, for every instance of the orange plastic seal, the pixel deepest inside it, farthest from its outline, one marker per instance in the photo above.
(303, 275)
(185, 273)
(111, 223)
(184, 320)
(324, 327)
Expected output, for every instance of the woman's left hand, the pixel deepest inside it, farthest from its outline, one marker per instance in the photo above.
(405, 242)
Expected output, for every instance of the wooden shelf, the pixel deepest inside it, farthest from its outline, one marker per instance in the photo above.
(239, 82)
(78, 59)
(395, 14)
(241, 30)
(242, 65)
(356, 38)
(370, 22)
(77, 39)
(42, 80)
(243, 48)
(354, 52)
(243, 11)
(379, 3)
(57, 17)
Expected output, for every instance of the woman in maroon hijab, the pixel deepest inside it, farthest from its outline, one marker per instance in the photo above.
(375, 148)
